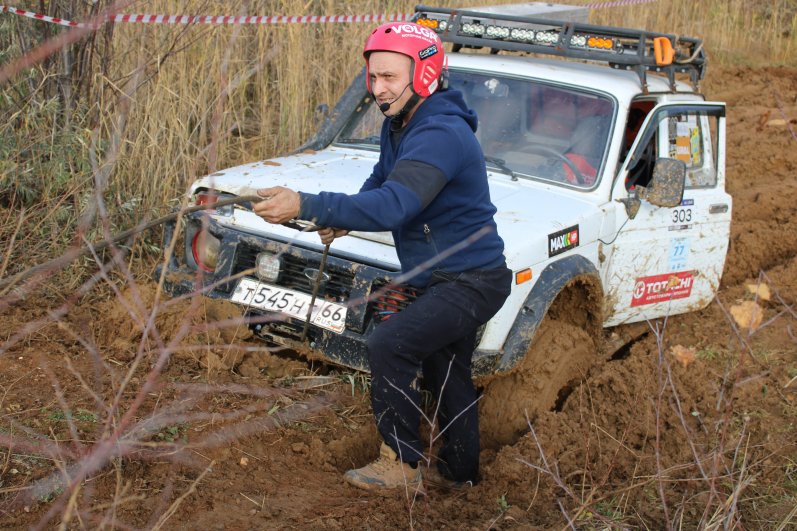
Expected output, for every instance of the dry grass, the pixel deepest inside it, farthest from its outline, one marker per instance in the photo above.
(749, 32)
(106, 132)
(150, 107)
(727, 482)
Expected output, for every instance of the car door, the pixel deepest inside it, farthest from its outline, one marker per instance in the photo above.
(663, 261)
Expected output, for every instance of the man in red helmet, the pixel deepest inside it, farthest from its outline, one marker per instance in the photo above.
(430, 189)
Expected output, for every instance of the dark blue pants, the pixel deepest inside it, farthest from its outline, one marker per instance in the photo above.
(435, 336)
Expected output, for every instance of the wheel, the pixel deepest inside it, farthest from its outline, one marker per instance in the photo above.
(558, 358)
(580, 179)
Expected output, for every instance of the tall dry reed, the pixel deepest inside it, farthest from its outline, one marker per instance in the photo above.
(108, 130)
(181, 101)
(749, 32)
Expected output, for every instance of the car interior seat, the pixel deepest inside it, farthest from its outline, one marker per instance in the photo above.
(554, 113)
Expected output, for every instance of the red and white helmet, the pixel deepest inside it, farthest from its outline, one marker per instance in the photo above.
(420, 44)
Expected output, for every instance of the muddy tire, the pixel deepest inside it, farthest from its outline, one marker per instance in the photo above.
(559, 357)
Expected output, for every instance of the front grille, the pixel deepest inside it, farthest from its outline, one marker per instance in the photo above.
(292, 274)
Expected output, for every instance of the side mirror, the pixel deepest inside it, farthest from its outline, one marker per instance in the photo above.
(666, 187)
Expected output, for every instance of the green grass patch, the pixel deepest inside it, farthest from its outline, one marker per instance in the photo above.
(709, 354)
(81, 415)
(173, 433)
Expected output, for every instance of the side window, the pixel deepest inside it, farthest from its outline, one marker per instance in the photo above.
(636, 115)
(685, 136)
(641, 170)
(689, 140)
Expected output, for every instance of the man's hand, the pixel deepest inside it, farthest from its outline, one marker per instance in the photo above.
(279, 204)
(328, 234)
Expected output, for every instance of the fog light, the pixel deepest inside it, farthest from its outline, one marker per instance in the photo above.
(205, 248)
(267, 267)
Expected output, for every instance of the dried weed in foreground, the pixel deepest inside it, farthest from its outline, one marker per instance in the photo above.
(759, 291)
(683, 355)
(748, 315)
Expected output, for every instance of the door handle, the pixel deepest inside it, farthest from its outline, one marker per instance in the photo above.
(719, 208)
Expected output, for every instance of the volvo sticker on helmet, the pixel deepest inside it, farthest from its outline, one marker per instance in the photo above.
(562, 241)
(427, 52)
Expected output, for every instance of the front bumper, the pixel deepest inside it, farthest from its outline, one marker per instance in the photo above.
(363, 287)
(353, 284)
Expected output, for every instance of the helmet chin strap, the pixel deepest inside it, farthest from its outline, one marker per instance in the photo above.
(384, 107)
(399, 116)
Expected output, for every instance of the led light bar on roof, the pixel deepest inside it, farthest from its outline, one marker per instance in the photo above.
(431, 23)
(506, 33)
(578, 40)
(522, 35)
(624, 48)
(497, 32)
(546, 37)
(472, 29)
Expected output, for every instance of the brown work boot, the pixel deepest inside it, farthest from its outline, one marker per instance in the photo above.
(387, 472)
(434, 477)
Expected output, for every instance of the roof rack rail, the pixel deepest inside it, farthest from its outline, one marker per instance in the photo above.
(622, 48)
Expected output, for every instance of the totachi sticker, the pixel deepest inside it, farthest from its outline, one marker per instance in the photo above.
(562, 241)
(662, 288)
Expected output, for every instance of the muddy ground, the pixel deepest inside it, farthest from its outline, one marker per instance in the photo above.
(696, 423)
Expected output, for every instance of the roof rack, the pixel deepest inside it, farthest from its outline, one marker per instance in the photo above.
(622, 48)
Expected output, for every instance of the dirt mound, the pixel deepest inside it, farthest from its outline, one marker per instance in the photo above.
(692, 423)
(559, 357)
(761, 165)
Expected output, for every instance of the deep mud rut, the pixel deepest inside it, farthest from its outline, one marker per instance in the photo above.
(235, 437)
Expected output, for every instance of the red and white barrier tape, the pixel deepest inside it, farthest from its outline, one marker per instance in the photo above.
(618, 3)
(223, 19)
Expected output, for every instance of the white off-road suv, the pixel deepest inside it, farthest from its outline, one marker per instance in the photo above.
(605, 162)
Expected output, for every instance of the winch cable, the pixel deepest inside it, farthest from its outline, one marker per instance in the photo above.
(244, 200)
(316, 287)
(73, 254)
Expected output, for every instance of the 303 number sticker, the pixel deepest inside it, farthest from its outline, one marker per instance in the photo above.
(682, 215)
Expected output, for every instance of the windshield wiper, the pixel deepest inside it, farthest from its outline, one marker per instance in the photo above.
(500, 164)
(367, 140)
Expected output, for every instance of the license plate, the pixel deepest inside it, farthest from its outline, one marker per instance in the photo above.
(254, 294)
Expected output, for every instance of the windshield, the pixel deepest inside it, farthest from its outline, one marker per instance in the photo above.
(527, 128)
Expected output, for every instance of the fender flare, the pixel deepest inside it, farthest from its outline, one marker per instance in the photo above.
(552, 281)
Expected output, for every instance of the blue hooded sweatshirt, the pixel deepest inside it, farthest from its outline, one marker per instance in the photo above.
(429, 188)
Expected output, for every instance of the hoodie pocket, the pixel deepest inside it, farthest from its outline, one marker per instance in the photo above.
(427, 232)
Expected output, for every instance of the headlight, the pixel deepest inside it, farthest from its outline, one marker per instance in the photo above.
(205, 248)
(267, 267)
(209, 198)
